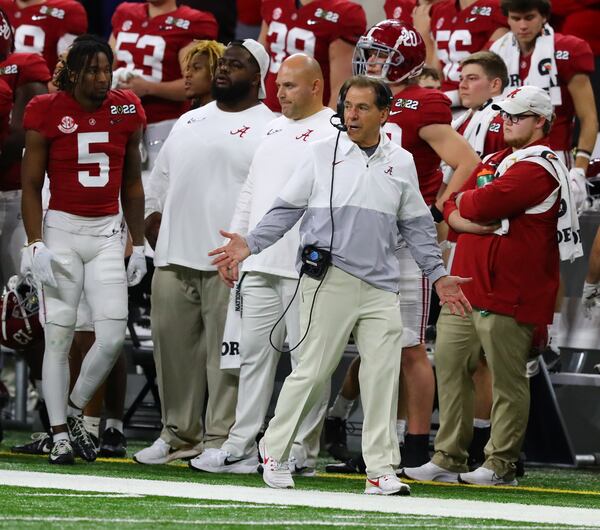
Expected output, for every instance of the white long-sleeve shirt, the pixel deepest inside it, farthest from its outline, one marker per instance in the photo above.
(274, 163)
(196, 180)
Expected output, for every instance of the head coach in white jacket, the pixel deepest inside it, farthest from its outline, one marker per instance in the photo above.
(358, 191)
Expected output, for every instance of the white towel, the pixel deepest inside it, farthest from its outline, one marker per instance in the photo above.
(542, 60)
(568, 234)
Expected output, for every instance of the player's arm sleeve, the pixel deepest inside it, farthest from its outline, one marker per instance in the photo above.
(204, 27)
(580, 59)
(521, 187)
(418, 230)
(287, 208)
(36, 71)
(353, 24)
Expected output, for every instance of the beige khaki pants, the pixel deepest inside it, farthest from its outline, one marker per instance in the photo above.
(344, 304)
(188, 317)
(506, 344)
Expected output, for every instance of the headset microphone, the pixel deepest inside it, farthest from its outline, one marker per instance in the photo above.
(341, 126)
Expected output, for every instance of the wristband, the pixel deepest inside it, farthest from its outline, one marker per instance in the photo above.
(438, 216)
(583, 153)
(29, 243)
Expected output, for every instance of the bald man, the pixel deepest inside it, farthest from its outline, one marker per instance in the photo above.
(269, 279)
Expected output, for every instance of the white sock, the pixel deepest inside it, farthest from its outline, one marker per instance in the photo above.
(341, 407)
(480, 423)
(60, 436)
(115, 424)
(92, 425)
(401, 430)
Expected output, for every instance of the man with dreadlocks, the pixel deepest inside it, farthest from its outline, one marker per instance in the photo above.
(200, 64)
(86, 137)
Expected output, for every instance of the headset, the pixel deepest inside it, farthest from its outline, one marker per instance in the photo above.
(316, 261)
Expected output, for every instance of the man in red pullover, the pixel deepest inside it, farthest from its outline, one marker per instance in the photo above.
(515, 192)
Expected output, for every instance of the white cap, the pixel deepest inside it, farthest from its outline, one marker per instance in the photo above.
(527, 99)
(257, 50)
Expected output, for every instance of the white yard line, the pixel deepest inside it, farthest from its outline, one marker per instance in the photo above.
(315, 499)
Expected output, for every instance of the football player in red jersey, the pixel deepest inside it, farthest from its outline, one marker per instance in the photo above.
(324, 29)
(149, 40)
(536, 55)
(46, 27)
(453, 30)
(86, 137)
(419, 121)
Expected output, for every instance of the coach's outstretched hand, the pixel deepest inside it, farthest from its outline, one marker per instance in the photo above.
(449, 291)
(231, 254)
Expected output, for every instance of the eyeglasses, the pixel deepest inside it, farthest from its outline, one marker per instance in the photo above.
(515, 118)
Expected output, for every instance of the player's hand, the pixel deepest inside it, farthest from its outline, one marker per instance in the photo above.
(229, 275)
(578, 183)
(138, 85)
(461, 225)
(449, 292)
(152, 227)
(26, 259)
(421, 18)
(136, 268)
(590, 299)
(41, 263)
(231, 254)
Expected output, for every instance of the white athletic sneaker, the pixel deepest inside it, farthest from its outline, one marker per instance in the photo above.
(483, 476)
(219, 461)
(160, 452)
(386, 485)
(275, 474)
(300, 470)
(429, 472)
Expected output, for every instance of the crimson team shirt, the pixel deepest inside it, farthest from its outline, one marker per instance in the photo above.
(411, 109)
(18, 70)
(573, 56)
(86, 149)
(151, 47)
(459, 33)
(6, 102)
(400, 10)
(39, 28)
(309, 29)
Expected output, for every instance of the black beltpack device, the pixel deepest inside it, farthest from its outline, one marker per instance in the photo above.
(315, 261)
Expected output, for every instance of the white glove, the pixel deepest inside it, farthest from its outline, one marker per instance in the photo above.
(41, 263)
(590, 299)
(578, 184)
(26, 259)
(136, 269)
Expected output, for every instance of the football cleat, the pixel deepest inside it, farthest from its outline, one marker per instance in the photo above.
(61, 453)
(429, 472)
(297, 469)
(160, 452)
(41, 444)
(483, 476)
(219, 461)
(275, 474)
(113, 444)
(386, 485)
(356, 464)
(84, 443)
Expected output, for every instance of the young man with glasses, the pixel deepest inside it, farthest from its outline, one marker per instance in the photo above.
(515, 279)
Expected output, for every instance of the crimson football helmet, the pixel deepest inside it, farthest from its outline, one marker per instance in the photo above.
(7, 40)
(19, 314)
(391, 51)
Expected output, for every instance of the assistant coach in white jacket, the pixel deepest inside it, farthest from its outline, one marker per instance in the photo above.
(374, 197)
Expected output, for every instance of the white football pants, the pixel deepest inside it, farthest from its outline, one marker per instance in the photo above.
(92, 264)
(12, 234)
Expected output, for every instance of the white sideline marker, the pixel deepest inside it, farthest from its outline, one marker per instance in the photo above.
(315, 499)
